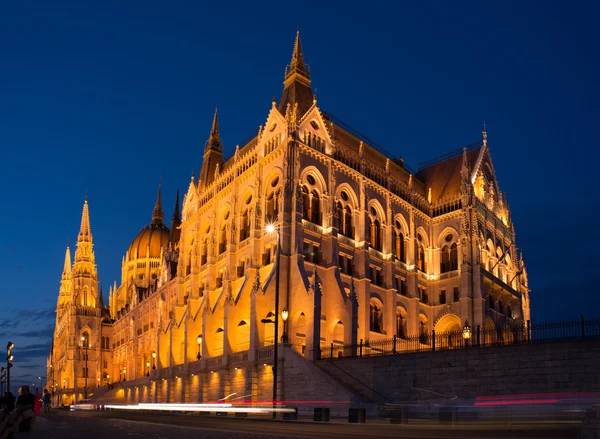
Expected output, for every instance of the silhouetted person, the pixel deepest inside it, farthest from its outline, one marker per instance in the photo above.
(47, 400)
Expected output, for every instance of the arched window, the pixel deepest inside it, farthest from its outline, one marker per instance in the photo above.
(315, 208)
(218, 342)
(348, 222)
(445, 263)
(421, 258)
(454, 256)
(245, 225)
(375, 234)
(272, 210)
(376, 316)
(305, 204)
(223, 238)
(85, 296)
(399, 244)
(340, 214)
(400, 323)
(204, 256)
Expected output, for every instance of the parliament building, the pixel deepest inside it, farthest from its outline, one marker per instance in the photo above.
(368, 250)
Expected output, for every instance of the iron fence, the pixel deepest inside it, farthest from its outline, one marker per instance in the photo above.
(528, 332)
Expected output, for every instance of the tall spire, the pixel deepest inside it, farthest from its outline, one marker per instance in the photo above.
(85, 232)
(175, 222)
(176, 213)
(296, 83)
(214, 141)
(157, 214)
(297, 63)
(67, 267)
(213, 154)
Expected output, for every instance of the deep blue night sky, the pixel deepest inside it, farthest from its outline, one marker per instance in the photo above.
(107, 97)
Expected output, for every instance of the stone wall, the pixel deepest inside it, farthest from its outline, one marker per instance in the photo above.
(570, 366)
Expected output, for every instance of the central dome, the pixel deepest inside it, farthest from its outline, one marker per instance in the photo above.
(153, 238)
(149, 242)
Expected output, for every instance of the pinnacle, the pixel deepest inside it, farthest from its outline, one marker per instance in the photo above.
(297, 62)
(214, 140)
(215, 125)
(157, 214)
(176, 214)
(67, 267)
(85, 232)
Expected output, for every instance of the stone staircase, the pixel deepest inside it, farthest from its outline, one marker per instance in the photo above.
(366, 394)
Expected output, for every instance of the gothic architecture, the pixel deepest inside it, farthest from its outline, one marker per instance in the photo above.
(369, 249)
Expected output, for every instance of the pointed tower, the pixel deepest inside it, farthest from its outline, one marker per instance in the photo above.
(296, 84)
(78, 318)
(66, 280)
(175, 223)
(85, 277)
(213, 154)
(157, 213)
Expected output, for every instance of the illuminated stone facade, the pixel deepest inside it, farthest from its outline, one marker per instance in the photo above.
(369, 250)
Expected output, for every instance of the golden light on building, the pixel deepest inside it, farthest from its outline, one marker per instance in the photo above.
(380, 250)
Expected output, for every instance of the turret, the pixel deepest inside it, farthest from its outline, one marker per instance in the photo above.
(213, 155)
(296, 83)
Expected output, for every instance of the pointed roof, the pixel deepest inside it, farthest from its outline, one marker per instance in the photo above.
(176, 213)
(214, 142)
(297, 62)
(85, 231)
(67, 267)
(444, 177)
(157, 214)
(296, 83)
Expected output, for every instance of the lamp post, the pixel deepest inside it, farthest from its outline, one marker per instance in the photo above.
(9, 358)
(148, 367)
(466, 333)
(2, 379)
(199, 340)
(84, 343)
(284, 316)
(272, 229)
(124, 372)
(153, 360)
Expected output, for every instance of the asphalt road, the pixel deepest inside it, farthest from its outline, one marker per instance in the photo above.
(121, 425)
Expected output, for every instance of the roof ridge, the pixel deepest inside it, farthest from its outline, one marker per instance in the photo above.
(449, 155)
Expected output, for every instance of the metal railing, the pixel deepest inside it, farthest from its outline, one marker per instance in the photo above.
(572, 330)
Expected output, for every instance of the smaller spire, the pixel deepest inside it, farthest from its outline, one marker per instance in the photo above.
(484, 132)
(214, 131)
(176, 213)
(297, 64)
(85, 231)
(67, 267)
(157, 215)
(214, 141)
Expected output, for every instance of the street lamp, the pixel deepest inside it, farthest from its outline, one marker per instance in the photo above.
(84, 344)
(124, 372)
(272, 229)
(199, 340)
(9, 358)
(284, 316)
(466, 333)
(153, 360)
(148, 367)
